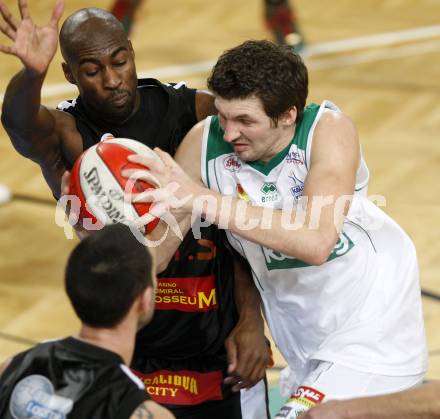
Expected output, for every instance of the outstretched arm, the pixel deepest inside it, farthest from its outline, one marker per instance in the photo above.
(23, 116)
(33, 129)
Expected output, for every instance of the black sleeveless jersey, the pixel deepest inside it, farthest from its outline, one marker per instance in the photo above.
(195, 308)
(69, 378)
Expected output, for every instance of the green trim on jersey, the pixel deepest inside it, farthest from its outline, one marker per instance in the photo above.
(303, 128)
(217, 146)
(276, 260)
(266, 168)
(300, 139)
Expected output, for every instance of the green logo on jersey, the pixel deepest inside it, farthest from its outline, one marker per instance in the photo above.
(276, 260)
(270, 192)
(269, 187)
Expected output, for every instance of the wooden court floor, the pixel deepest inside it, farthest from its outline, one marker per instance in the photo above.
(379, 60)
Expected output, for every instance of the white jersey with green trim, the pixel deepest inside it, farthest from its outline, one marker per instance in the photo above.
(362, 308)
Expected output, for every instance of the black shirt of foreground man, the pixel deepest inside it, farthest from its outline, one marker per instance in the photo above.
(71, 369)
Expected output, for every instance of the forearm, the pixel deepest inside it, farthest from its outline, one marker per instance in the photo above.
(22, 100)
(166, 240)
(21, 108)
(247, 298)
(287, 231)
(420, 403)
(246, 346)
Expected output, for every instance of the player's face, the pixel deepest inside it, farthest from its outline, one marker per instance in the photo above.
(105, 74)
(252, 134)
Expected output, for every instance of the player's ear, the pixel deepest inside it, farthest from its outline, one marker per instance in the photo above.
(68, 73)
(147, 301)
(145, 307)
(288, 118)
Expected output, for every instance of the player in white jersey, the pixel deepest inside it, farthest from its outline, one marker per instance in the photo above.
(340, 290)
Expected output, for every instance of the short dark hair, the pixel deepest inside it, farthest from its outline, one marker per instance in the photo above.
(105, 273)
(273, 73)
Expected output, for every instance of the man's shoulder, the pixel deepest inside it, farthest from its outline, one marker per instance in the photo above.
(72, 107)
(153, 85)
(171, 89)
(68, 112)
(150, 82)
(67, 104)
(41, 350)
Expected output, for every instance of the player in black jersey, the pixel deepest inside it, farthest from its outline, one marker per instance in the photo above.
(110, 280)
(192, 345)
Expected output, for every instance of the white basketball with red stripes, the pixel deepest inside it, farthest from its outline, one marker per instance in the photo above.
(97, 181)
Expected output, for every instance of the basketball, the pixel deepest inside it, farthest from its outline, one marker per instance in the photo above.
(97, 181)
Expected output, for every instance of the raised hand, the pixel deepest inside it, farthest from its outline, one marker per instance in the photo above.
(35, 46)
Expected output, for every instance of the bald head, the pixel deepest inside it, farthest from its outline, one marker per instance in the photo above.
(88, 26)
